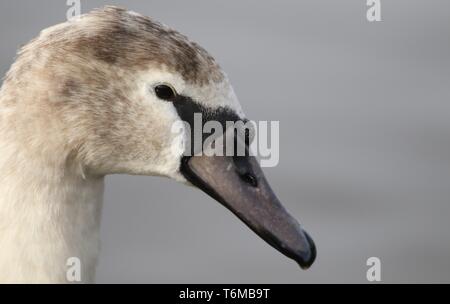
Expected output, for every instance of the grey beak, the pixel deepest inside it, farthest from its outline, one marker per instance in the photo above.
(239, 184)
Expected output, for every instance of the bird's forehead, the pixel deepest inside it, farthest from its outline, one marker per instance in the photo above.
(123, 38)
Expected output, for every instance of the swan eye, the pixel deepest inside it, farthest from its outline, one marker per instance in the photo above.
(165, 92)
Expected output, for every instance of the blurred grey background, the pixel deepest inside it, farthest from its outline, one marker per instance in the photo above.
(364, 114)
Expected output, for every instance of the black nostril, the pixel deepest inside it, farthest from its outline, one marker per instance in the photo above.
(249, 179)
(243, 168)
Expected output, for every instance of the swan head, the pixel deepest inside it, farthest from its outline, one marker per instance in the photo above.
(104, 91)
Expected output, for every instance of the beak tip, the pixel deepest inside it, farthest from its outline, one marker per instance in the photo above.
(306, 258)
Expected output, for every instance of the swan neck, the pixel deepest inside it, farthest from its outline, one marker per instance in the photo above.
(49, 215)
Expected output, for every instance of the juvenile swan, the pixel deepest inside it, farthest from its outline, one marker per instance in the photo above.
(99, 95)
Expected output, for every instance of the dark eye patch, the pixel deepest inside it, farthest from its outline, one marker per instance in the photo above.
(186, 108)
